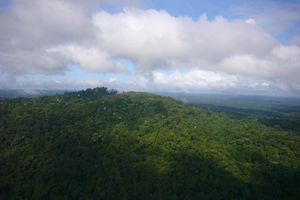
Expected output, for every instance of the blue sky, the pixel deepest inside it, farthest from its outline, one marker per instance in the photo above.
(168, 45)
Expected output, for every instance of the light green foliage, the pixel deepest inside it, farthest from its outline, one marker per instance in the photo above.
(97, 144)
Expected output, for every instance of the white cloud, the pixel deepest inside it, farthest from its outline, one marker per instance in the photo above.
(248, 65)
(89, 58)
(19, 62)
(194, 80)
(35, 24)
(155, 40)
(251, 21)
(29, 27)
(43, 37)
(112, 79)
(59, 84)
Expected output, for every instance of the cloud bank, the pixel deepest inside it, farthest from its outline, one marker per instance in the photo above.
(43, 37)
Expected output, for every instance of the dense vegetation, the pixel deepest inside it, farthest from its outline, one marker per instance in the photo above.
(286, 119)
(98, 144)
(282, 113)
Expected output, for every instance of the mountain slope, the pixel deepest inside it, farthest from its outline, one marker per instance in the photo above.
(97, 144)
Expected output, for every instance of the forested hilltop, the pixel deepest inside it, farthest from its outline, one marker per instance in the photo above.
(98, 144)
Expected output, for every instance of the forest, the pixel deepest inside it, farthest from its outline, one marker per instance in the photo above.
(279, 112)
(102, 144)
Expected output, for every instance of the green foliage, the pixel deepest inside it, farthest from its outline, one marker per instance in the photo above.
(98, 144)
(281, 118)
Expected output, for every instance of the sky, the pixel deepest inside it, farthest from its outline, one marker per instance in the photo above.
(198, 46)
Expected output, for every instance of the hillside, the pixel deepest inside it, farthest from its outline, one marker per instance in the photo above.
(98, 144)
(282, 113)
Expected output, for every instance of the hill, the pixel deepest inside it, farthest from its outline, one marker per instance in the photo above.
(282, 113)
(98, 144)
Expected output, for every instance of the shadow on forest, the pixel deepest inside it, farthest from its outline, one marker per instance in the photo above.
(79, 169)
(86, 151)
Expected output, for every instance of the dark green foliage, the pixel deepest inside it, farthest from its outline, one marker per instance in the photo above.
(98, 144)
(283, 120)
(282, 113)
(91, 94)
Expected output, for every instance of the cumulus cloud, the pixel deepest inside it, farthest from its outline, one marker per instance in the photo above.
(43, 37)
(154, 40)
(195, 80)
(90, 58)
(29, 27)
